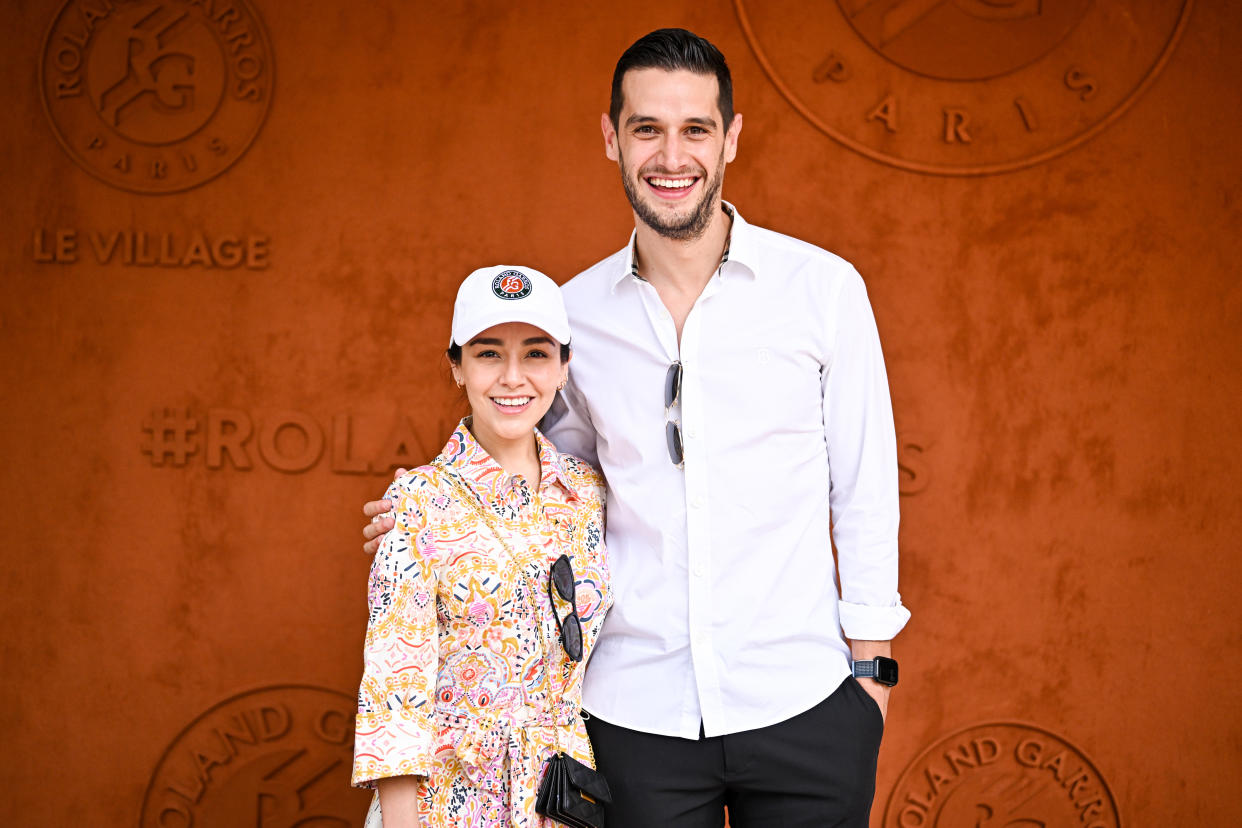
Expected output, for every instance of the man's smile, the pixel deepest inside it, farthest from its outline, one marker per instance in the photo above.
(670, 188)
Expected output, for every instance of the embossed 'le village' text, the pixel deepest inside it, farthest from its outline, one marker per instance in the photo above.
(143, 249)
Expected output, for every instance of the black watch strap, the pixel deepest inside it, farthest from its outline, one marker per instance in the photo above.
(883, 670)
(864, 669)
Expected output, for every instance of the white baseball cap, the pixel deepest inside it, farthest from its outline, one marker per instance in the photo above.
(505, 293)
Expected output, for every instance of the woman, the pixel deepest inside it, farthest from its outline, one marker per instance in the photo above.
(487, 597)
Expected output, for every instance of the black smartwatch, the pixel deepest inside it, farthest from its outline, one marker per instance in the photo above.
(883, 670)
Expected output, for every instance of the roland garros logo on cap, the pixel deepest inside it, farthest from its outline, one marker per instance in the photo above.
(511, 284)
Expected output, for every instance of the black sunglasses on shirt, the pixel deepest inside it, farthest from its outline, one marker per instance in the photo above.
(672, 428)
(561, 577)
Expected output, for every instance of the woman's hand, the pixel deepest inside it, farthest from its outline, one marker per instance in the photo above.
(381, 523)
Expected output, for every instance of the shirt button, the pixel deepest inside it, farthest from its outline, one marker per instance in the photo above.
(699, 569)
(692, 432)
(699, 502)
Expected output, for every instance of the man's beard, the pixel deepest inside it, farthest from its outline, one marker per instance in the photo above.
(678, 229)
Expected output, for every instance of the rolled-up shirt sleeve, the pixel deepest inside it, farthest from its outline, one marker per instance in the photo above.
(862, 460)
(393, 735)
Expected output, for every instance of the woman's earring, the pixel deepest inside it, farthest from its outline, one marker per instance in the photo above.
(561, 387)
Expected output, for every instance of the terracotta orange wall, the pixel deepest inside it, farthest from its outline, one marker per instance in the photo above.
(181, 632)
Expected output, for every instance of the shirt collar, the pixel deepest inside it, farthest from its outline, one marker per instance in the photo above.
(738, 247)
(487, 478)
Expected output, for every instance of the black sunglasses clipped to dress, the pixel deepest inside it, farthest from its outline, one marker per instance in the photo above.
(672, 428)
(562, 578)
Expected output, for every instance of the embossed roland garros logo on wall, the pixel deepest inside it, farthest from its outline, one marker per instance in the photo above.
(962, 87)
(276, 757)
(1001, 775)
(156, 97)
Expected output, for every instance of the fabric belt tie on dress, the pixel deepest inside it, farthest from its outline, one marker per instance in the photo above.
(491, 746)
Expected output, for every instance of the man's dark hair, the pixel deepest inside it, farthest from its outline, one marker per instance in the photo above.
(670, 50)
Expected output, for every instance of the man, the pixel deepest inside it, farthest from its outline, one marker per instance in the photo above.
(729, 382)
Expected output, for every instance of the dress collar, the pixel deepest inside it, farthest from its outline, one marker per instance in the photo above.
(488, 479)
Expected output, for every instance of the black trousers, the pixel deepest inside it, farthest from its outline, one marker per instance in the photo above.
(815, 770)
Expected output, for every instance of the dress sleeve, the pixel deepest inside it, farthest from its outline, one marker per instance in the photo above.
(394, 731)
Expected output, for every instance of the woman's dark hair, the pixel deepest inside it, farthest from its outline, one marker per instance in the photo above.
(670, 50)
(454, 353)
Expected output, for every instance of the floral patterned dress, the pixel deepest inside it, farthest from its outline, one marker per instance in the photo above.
(466, 683)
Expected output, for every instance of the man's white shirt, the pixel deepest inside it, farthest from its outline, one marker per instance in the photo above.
(727, 607)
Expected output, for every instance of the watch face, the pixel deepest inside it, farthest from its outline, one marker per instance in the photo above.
(887, 671)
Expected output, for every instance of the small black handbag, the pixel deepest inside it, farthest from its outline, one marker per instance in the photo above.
(572, 793)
